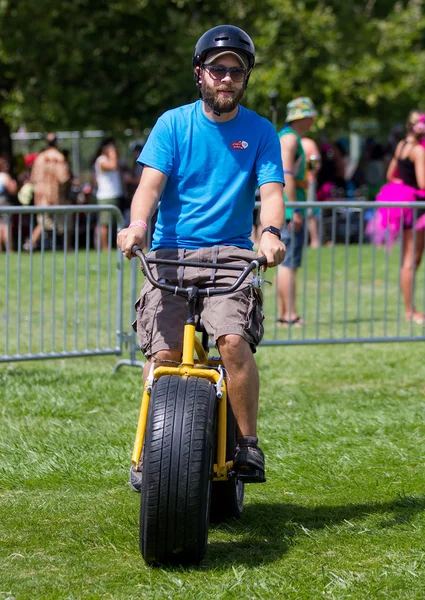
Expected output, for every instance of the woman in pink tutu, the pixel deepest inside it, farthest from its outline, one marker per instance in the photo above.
(406, 177)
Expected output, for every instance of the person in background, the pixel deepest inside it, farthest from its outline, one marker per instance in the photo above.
(50, 176)
(331, 175)
(312, 154)
(374, 171)
(331, 185)
(299, 120)
(406, 183)
(26, 189)
(109, 186)
(131, 178)
(8, 187)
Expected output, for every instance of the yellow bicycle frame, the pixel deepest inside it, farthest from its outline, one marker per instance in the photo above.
(203, 368)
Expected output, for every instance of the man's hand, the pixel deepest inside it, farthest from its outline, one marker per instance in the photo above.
(296, 222)
(272, 248)
(129, 237)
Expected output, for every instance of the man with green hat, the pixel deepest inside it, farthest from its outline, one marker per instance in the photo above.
(300, 114)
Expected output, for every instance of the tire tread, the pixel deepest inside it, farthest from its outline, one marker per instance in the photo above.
(177, 471)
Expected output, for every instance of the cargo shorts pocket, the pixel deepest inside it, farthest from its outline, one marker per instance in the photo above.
(138, 324)
(255, 315)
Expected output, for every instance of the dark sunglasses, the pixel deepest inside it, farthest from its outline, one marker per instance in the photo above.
(219, 72)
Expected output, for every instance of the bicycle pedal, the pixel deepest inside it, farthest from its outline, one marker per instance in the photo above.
(250, 475)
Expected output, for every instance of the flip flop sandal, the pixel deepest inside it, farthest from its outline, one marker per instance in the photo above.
(286, 322)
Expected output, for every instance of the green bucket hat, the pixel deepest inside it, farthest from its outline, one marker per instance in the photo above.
(300, 108)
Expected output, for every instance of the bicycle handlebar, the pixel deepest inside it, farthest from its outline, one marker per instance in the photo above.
(175, 289)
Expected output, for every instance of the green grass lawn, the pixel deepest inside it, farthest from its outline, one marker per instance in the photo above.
(342, 514)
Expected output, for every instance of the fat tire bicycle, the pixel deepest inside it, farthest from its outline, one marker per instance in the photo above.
(186, 436)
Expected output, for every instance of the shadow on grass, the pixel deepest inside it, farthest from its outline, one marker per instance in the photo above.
(267, 531)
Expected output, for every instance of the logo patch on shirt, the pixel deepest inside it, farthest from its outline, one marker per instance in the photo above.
(239, 145)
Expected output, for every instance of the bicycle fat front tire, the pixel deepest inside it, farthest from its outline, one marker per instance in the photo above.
(177, 471)
(228, 496)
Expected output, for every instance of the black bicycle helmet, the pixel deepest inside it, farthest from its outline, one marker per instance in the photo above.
(224, 37)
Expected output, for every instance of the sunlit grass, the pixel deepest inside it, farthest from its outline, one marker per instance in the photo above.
(341, 515)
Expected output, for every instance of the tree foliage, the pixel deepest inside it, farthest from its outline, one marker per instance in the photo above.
(120, 63)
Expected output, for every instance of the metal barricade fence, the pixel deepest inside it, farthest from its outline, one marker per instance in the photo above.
(65, 299)
(347, 290)
(62, 296)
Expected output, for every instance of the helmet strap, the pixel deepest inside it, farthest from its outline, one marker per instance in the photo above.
(215, 111)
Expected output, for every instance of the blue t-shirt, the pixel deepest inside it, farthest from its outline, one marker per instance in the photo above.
(213, 170)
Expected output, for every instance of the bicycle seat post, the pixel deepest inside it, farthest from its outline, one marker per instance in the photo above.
(188, 358)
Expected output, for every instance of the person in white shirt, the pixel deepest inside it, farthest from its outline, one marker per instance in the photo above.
(109, 185)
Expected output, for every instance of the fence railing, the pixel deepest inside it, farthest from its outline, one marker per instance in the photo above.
(347, 290)
(65, 298)
(60, 295)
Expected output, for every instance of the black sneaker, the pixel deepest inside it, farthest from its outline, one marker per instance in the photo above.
(136, 476)
(248, 463)
(135, 480)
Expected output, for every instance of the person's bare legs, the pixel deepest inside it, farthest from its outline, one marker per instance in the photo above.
(104, 237)
(3, 236)
(412, 250)
(286, 293)
(313, 231)
(101, 237)
(243, 386)
(161, 358)
(36, 235)
(243, 382)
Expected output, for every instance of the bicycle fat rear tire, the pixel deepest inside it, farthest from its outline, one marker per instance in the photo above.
(227, 497)
(177, 471)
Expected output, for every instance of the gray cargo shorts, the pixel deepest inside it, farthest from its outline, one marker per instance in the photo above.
(161, 315)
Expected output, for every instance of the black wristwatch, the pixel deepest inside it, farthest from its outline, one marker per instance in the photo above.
(272, 229)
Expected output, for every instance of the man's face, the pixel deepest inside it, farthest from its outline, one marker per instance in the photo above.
(222, 94)
(307, 123)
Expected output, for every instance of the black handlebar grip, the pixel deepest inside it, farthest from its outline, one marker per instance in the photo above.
(135, 249)
(262, 261)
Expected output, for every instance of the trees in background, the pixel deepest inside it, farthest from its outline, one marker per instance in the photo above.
(120, 63)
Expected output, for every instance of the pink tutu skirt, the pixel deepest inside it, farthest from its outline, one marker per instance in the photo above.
(387, 223)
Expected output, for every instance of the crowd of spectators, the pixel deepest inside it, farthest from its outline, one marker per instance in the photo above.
(113, 180)
(337, 176)
(46, 179)
(341, 177)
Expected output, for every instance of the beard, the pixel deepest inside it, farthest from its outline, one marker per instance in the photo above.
(218, 102)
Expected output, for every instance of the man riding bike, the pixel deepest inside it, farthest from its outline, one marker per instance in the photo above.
(204, 162)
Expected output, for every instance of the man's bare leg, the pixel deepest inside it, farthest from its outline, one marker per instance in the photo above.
(243, 382)
(36, 235)
(243, 387)
(161, 359)
(287, 290)
(242, 378)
